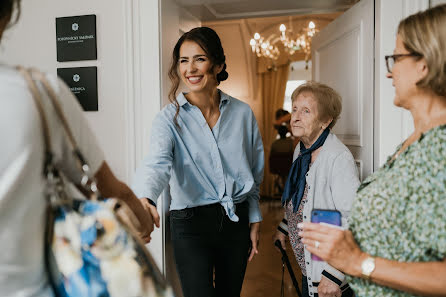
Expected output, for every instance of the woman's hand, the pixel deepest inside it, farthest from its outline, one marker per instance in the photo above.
(254, 234)
(144, 217)
(337, 247)
(327, 288)
(280, 237)
(110, 186)
(152, 210)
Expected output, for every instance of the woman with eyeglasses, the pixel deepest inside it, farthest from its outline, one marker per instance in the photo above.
(396, 245)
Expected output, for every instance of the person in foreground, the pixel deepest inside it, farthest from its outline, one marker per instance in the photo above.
(396, 245)
(22, 184)
(206, 145)
(323, 176)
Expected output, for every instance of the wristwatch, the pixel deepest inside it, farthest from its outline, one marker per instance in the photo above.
(367, 267)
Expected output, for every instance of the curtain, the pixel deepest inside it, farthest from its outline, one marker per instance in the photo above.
(271, 86)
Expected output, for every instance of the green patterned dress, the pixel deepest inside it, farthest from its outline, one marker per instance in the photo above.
(400, 210)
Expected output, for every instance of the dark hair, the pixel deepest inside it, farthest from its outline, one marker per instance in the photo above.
(7, 8)
(282, 130)
(280, 113)
(209, 41)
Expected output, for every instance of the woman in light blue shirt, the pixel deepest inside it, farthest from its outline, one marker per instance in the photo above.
(206, 146)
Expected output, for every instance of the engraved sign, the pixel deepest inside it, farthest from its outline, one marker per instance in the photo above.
(83, 82)
(76, 38)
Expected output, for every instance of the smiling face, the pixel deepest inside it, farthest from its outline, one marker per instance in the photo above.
(406, 72)
(195, 68)
(305, 122)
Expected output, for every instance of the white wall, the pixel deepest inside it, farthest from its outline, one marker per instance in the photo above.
(298, 71)
(436, 2)
(392, 124)
(128, 71)
(32, 42)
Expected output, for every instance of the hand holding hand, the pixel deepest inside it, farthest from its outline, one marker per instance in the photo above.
(144, 226)
(152, 210)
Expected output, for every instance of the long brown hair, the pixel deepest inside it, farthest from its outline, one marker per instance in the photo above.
(209, 41)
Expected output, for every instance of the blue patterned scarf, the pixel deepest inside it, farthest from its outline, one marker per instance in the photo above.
(295, 183)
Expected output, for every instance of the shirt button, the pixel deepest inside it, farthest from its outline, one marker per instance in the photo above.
(309, 278)
(311, 293)
(310, 286)
(309, 187)
(308, 263)
(305, 217)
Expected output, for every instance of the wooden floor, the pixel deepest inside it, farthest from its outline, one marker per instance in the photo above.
(264, 273)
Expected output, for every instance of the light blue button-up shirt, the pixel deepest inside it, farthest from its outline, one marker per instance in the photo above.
(203, 165)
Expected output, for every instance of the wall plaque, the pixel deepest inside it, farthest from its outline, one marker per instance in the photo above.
(76, 38)
(83, 82)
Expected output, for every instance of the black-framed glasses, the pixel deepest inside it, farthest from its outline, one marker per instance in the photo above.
(391, 60)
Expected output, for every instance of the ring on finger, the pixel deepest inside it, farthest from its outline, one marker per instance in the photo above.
(317, 244)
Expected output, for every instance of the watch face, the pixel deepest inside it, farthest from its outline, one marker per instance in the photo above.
(368, 266)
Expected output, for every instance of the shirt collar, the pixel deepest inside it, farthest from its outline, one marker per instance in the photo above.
(181, 99)
(224, 98)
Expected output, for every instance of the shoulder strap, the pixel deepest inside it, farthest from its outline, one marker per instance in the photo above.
(87, 180)
(44, 121)
(55, 102)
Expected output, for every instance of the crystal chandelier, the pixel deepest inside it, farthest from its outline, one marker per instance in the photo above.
(292, 42)
(264, 48)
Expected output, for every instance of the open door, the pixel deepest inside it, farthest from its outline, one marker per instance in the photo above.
(342, 57)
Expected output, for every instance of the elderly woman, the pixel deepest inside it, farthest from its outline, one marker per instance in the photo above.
(323, 176)
(397, 242)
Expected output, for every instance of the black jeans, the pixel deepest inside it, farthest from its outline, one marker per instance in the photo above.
(205, 241)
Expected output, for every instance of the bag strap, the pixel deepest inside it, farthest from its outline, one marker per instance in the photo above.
(44, 122)
(55, 102)
(87, 182)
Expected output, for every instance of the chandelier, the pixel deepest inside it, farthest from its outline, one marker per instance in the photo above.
(292, 43)
(264, 48)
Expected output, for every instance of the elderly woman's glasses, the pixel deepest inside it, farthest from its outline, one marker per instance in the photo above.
(391, 60)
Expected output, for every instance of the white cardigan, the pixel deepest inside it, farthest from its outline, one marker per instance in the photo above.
(332, 182)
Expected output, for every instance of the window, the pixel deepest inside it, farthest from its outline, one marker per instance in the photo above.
(291, 85)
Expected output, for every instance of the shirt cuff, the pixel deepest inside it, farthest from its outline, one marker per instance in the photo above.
(255, 215)
(151, 201)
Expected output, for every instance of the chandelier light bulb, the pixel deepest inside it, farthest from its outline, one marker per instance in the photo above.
(282, 28)
(252, 42)
(311, 25)
(256, 36)
(264, 45)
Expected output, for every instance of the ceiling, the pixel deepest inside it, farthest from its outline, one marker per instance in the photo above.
(213, 10)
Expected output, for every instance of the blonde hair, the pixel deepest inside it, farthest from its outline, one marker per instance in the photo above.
(329, 102)
(424, 33)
